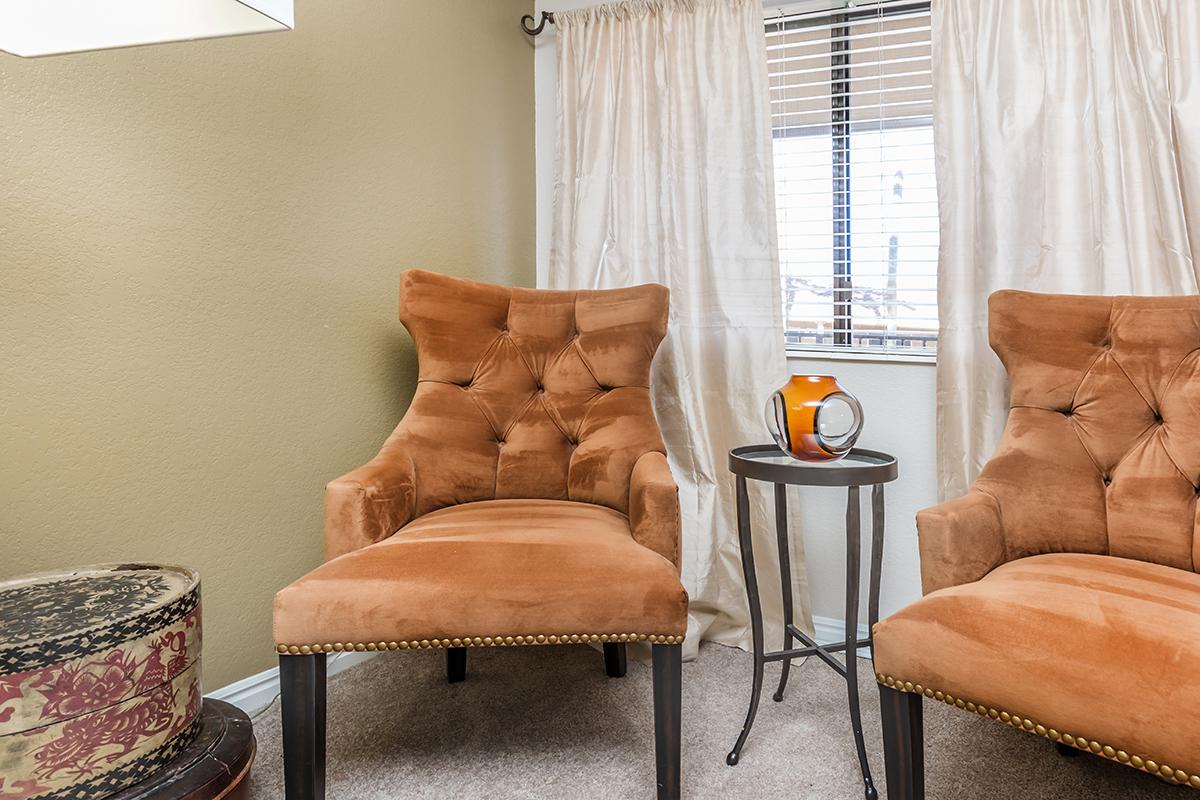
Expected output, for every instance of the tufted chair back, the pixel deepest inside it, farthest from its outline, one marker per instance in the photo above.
(1101, 453)
(526, 393)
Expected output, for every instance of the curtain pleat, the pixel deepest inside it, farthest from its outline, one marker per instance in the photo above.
(664, 175)
(1067, 148)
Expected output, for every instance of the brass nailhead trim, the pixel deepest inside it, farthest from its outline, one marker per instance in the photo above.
(485, 641)
(1012, 720)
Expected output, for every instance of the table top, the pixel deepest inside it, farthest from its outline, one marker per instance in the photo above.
(52, 617)
(766, 462)
(51, 604)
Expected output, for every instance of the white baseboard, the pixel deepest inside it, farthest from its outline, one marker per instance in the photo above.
(827, 630)
(256, 692)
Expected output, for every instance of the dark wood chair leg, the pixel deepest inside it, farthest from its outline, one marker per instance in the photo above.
(903, 744)
(668, 702)
(302, 697)
(1066, 751)
(614, 659)
(456, 664)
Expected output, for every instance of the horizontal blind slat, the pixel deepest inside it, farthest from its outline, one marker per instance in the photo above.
(785, 25)
(879, 54)
(917, 33)
(787, 70)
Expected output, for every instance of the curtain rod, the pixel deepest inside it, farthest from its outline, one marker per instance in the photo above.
(779, 7)
(528, 26)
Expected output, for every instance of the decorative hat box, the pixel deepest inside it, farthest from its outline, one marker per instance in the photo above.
(99, 678)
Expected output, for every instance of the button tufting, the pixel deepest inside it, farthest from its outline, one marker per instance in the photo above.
(1107, 480)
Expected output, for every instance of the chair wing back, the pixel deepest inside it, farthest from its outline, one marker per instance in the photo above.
(526, 393)
(1101, 453)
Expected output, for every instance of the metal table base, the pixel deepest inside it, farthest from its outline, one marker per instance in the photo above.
(875, 475)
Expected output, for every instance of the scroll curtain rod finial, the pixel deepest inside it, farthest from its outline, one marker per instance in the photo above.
(528, 26)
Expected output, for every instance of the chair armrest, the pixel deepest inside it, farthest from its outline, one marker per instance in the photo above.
(372, 502)
(961, 540)
(654, 506)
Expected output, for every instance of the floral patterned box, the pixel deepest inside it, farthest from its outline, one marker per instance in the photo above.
(99, 678)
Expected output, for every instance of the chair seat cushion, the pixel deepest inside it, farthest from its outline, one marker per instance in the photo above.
(491, 572)
(1102, 648)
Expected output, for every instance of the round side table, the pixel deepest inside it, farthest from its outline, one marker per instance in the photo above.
(766, 462)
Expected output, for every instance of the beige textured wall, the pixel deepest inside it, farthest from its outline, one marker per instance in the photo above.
(199, 249)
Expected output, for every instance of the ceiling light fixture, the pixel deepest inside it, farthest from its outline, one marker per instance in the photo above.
(53, 27)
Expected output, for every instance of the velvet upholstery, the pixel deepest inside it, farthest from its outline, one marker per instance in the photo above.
(1094, 646)
(526, 491)
(494, 568)
(1101, 453)
(1062, 587)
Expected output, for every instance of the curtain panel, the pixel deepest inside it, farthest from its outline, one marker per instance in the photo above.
(1067, 149)
(664, 174)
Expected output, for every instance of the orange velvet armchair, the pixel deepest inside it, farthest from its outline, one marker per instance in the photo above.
(524, 499)
(1061, 594)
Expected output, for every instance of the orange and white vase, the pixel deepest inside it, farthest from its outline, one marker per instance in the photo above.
(813, 418)
(99, 678)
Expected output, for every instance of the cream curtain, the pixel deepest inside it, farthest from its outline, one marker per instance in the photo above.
(1067, 140)
(665, 175)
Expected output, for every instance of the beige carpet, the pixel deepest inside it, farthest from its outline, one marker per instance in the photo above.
(545, 722)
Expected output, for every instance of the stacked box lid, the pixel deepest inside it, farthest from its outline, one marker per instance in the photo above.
(99, 678)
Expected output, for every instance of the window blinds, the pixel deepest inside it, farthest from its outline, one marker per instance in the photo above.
(856, 199)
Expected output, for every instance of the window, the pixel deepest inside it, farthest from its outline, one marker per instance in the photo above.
(856, 199)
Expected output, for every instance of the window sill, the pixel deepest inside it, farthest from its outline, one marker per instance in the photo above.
(829, 354)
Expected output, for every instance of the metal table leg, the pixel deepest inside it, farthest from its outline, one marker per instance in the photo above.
(876, 562)
(853, 547)
(756, 623)
(785, 580)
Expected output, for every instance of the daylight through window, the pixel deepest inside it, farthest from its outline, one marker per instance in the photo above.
(856, 199)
